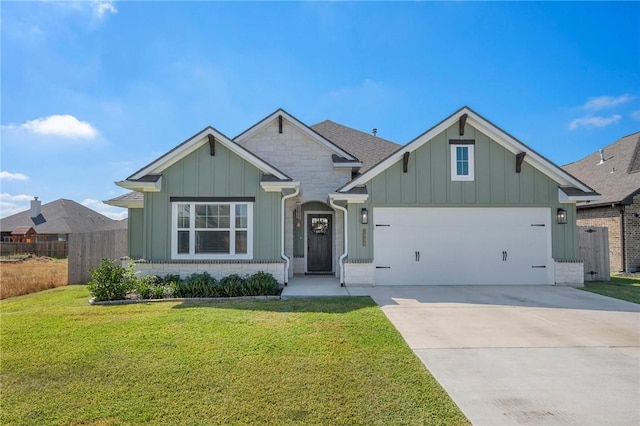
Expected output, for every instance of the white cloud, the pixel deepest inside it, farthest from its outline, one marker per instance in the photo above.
(12, 204)
(635, 115)
(116, 213)
(601, 102)
(65, 126)
(100, 7)
(593, 121)
(4, 175)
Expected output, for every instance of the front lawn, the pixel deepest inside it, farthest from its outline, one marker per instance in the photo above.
(308, 361)
(625, 288)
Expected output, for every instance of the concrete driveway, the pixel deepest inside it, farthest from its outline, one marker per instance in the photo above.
(512, 355)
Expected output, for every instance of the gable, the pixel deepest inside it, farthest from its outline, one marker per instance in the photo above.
(465, 124)
(427, 180)
(279, 119)
(149, 178)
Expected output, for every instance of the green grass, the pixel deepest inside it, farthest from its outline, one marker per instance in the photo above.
(619, 287)
(311, 361)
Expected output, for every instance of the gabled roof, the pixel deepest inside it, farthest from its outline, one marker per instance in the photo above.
(58, 217)
(495, 133)
(309, 131)
(22, 230)
(149, 177)
(617, 178)
(367, 148)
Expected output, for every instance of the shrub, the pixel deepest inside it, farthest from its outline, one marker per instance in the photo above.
(197, 285)
(232, 285)
(110, 281)
(261, 284)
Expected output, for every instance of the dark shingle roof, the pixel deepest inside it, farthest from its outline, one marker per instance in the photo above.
(618, 177)
(367, 148)
(58, 217)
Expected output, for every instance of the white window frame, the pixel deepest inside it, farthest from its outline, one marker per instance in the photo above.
(192, 229)
(454, 160)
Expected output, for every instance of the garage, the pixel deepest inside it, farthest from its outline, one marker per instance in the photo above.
(462, 246)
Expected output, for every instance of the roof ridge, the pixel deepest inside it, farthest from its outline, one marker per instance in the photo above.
(355, 130)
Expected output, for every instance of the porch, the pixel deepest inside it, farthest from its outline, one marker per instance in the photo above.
(319, 286)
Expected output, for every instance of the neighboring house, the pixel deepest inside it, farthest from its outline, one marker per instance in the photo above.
(53, 221)
(615, 173)
(463, 203)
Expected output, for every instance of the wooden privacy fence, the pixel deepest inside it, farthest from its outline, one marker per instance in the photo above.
(87, 250)
(593, 244)
(46, 248)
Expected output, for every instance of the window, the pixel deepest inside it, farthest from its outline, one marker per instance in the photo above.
(462, 162)
(211, 230)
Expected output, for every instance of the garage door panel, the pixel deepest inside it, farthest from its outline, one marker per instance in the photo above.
(440, 246)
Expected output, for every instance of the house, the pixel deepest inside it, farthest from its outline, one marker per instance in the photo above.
(463, 203)
(53, 221)
(614, 172)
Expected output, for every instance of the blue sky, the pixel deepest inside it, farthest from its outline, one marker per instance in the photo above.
(92, 91)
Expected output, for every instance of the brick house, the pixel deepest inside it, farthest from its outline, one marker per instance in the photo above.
(614, 172)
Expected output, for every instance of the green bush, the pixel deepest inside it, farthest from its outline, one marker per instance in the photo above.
(232, 285)
(110, 281)
(260, 284)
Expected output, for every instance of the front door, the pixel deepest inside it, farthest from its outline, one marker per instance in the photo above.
(319, 243)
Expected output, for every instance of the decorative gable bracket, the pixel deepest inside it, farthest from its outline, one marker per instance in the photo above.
(212, 145)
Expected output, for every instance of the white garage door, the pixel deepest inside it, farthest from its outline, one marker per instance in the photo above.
(462, 246)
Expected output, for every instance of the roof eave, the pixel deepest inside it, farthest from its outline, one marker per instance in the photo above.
(141, 186)
(278, 186)
(350, 198)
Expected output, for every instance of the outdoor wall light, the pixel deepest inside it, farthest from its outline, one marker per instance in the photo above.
(562, 216)
(364, 216)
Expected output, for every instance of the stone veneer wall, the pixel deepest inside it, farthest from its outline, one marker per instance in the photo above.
(569, 272)
(216, 268)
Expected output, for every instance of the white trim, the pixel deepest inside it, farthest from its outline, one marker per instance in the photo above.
(347, 165)
(298, 125)
(141, 186)
(269, 186)
(564, 198)
(502, 138)
(349, 198)
(210, 256)
(195, 142)
(470, 177)
(306, 240)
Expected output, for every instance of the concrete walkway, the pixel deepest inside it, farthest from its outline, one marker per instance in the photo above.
(533, 355)
(319, 286)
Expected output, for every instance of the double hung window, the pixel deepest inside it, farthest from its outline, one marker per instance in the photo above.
(462, 162)
(212, 230)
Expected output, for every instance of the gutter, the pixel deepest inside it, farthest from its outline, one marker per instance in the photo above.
(346, 238)
(287, 261)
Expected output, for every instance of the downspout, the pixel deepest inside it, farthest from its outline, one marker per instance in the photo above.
(287, 261)
(346, 238)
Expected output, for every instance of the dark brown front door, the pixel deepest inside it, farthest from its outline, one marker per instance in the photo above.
(319, 242)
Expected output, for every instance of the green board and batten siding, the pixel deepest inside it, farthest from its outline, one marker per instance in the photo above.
(428, 183)
(200, 174)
